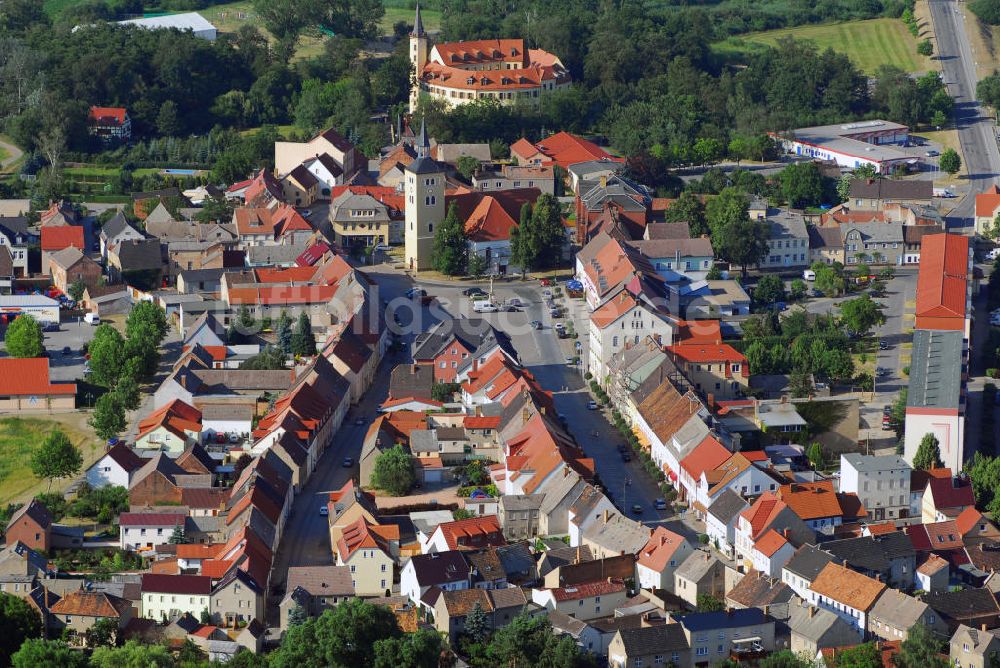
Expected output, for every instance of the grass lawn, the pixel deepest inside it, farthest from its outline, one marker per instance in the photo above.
(20, 437)
(868, 43)
(91, 171)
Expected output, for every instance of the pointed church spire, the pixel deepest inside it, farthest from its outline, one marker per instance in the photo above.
(423, 145)
(418, 25)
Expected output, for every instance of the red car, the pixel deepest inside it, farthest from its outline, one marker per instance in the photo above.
(545, 282)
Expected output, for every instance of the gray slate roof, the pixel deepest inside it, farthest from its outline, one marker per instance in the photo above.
(934, 378)
(727, 506)
(808, 561)
(660, 639)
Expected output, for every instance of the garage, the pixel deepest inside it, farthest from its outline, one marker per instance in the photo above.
(43, 309)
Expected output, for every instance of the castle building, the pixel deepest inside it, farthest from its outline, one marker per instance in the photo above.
(501, 69)
(424, 189)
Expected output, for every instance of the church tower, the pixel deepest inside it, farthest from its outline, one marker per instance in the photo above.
(418, 57)
(424, 187)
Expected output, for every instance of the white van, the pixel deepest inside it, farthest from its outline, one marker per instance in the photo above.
(809, 275)
(484, 306)
(92, 319)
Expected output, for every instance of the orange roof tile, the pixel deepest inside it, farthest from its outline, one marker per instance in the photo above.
(847, 587)
(283, 294)
(362, 534)
(198, 550)
(707, 455)
(62, 236)
(811, 501)
(700, 354)
(472, 533)
(968, 519)
(106, 115)
(769, 543)
(588, 590)
(29, 376)
(657, 552)
(762, 513)
(942, 282)
(699, 333)
(613, 308)
(216, 568)
(987, 202)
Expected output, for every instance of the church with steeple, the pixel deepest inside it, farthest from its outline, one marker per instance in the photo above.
(424, 190)
(500, 69)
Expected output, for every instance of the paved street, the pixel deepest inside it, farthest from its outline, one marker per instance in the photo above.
(975, 128)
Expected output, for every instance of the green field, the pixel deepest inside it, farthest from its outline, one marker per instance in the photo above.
(868, 43)
(19, 438)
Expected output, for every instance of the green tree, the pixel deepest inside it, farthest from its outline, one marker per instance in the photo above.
(133, 654)
(444, 392)
(56, 458)
(76, 289)
(268, 358)
(167, 121)
(801, 184)
(769, 289)
(243, 327)
(477, 265)
(24, 337)
(303, 339)
(421, 649)
(921, 649)
(865, 655)
(815, 455)
(107, 356)
(297, 615)
(784, 659)
(859, 315)
(38, 653)
(797, 289)
(522, 254)
(467, 166)
(988, 90)
(687, 208)
(103, 633)
(925, 48)
(19, 622)
(928, 455)
(829, 281)
(147, 319)
(800, 383)
(177, 535)
(476, 624)
(950, 161)
(393, 471)
(709, 603)
(450, 244)
(343, 636)
(283, 333)
(108, 419)
(736, 238)
(529, 641)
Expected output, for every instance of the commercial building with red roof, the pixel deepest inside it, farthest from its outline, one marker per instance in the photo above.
(944, 284)
(25, 387)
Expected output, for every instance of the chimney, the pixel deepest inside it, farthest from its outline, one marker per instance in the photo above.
(479, 410)
(812, 612)
(577, 558)
(785, 532)
(606, 514)
(525, 414)
(604, 181)
(414, 369)
(711, 400)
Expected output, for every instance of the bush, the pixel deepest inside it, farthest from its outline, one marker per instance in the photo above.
(992, 373)
(703, 538)
(588, 376)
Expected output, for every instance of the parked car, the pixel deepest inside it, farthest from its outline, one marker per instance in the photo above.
(591, 405)
(637, 509)
(932, 153)
(324, 511)
(881, 371)
(359, 421)
(660, 504)
(472, 292)
(536, 324)
(234, 438)
(882, 345)
(485, 307)
(347, 463)
(67, 350)
(415, 292)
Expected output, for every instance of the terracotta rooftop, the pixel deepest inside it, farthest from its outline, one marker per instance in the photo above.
(844, 586)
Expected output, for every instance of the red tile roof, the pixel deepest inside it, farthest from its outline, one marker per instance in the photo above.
(284, 294)
(482, 422)
(198, 550)
(660, 548)
(588, 590)
(62, 236)
(811, 501)
(968, 519)
(987, 202)
(29, 377)
(91, 604)
(363, 535)
(951, 492)
(701, 354)
(284, 274)
(706, 456)
(942, 282)
(564, 149)
(762, 513)
(176, 417)
(472, 533)
(698, 333)
(107, 115)
(216, 568)
(769, 543)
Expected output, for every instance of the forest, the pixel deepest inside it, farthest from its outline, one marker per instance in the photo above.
(645, 78)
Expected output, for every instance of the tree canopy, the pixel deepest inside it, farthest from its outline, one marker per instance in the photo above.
(24, 337)
(19, 622)
(393, 471)
(450, 249)
(928, 455)
(56, 458)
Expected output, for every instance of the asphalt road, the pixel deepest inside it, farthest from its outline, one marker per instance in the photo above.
(975, 128)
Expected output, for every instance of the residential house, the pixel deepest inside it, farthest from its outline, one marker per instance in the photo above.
(721, 519)
(717, 635)
(611, 534)
(518, 514)
(814, 629)
(70, 265)
(165, 597)
(708, 455)
(604, 264)
(327, 172)
(587, 637)
(815, 503)
(77, 611)
(115, 467)
(889, 557)
(875, 193)
(468, 534)
(768, 512)
(138, 262)
(582, 570)
(946, 498)
(846, 593)
(664, 644)
(368, 550)
(873, 243)
(969, 606)
(987, 208)
(757, 590)
(659, 558)
(934, 575)
(669, 257)
(289, 155)
(25, 387)
(31, 525)
(315, 589)
(171, 428)
(512, 177)
(161, 481)
(116, 230)
(895, 613)
(882, 483)
(365, 215)
(106, 300)
(237, 599)
(788, 240)
(500, 605)
(461, 345)
(147, 531)
(300, 186)
(713, 299)
(825, 244)
(720, 370)
(701, 574)
(110, 124)
(770, 552)
(585, 601)
(17, 237)
(446, 571)
(624, 319)
(970, 647)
